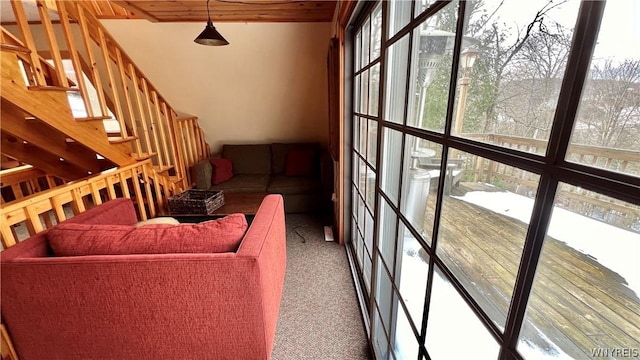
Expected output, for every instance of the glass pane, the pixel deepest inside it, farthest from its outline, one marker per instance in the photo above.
(399, 15)
(383, 294)
(509, 78)
(444, 333)
(368, 232)
(360, 250)
(380, 342)
(420, 183)
(396, 80)
(361, 175)
(422, 5)
(361, 212)
(431, 70)
(364, 92)
(387, 233)
(356, 133)
(483, 228)
(585, 301)
(405, 343)
(363, 137)
(374, 89)
(376, 32)
(358, 48)
(358, 242)
(371, 188)
(606, 133)
(367, 271)
(372, 142)
(412, 268)
(356, 93)
(365, 43)
(390, 167)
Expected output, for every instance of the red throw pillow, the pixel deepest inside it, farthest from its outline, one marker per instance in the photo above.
(222, 170)
(300, 162)
(214, 236)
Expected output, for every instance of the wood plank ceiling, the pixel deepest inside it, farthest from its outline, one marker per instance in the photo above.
(221, 10)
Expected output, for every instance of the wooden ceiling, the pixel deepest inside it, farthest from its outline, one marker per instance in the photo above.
(221, 10)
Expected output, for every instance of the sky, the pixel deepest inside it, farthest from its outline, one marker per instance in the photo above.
(619, 35)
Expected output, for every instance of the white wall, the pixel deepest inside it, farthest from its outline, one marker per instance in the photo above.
(268, 85)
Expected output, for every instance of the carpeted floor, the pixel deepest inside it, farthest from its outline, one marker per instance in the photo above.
(319, 314)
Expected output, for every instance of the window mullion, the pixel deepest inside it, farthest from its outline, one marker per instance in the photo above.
(584, 42)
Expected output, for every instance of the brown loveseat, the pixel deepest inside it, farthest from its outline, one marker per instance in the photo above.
(266, 168)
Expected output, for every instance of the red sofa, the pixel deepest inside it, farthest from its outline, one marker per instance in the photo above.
(164, 306)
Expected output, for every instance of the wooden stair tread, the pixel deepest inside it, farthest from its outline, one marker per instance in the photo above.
(120, 139)
(14, 48)
(162, 169)
(93, 118)
(175, 179)
(143, 156)
(51, 88)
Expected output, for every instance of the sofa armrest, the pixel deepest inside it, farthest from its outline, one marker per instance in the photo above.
(201, 173)
(266, 241)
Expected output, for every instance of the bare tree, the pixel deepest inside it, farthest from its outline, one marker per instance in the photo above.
(498, 49)
(610, 108)
(530, 95)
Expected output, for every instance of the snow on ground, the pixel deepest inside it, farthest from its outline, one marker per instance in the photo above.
(614, 248)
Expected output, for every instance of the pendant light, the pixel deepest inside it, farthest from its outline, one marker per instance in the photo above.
(210, 36)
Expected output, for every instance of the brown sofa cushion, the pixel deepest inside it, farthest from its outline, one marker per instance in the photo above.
(244, 183)
(282, 184)
(214, 236)
(249, 159)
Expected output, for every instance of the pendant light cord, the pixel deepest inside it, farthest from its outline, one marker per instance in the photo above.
(208, 13)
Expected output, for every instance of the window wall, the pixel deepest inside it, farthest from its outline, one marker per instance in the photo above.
(495, 157)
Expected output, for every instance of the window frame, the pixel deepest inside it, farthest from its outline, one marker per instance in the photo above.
(551, 166)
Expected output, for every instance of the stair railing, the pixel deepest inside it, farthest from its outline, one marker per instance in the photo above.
(109, 82)
(19, 182)
(140, 182)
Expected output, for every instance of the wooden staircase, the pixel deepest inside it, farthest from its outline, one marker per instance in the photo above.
(117, 117)
(84, 122)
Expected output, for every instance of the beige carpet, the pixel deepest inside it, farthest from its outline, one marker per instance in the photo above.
(319, 314)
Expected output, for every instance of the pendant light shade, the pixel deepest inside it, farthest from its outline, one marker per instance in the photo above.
(210, 36)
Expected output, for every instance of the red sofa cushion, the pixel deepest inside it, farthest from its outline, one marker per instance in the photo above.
(300, 162)
(214, 236)
(222, 170)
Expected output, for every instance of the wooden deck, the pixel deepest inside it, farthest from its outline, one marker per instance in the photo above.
(577, 303)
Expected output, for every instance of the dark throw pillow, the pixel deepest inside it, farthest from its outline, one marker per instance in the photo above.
(222, 170)
(300, 162)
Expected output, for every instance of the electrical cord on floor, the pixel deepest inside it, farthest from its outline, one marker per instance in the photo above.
(295, 231)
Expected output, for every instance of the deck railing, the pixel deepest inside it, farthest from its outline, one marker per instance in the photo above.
(91, 63)
(573, 197)
(35, 213)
